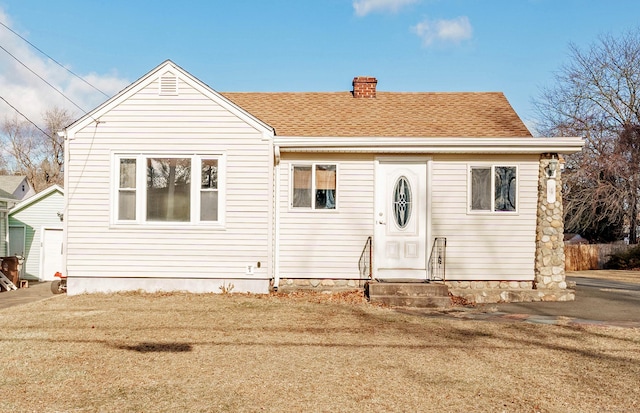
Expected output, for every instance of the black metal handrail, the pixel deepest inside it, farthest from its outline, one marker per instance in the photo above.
(437, 259)
(364, 263)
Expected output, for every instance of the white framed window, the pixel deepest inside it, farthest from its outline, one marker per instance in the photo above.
(493, 188)
(314, 186)
(157, 189)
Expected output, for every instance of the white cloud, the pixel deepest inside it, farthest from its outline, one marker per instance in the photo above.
(364, 7)
(443, 31)
(30, 95)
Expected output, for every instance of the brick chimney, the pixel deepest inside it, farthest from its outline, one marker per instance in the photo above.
(364, 87)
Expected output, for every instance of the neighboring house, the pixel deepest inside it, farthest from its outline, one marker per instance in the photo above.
(35, 232)
(171, 185)
(17, 185)
(6, 201)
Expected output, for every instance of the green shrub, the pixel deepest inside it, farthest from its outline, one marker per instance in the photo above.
(625, 260)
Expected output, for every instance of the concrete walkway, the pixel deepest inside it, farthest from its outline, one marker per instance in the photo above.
(601, 299)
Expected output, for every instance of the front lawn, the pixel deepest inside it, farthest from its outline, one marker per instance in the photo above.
(206, 353)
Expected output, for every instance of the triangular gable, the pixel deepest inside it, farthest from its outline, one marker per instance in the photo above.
(37, 197)
(167, 72)
(9, 183)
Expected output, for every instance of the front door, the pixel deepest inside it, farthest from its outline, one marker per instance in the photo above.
(400, 235)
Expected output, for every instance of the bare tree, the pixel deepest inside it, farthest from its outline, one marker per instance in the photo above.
(596, 96)
(30, 152)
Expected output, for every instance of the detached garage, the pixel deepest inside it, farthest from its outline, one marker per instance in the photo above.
(35, 232)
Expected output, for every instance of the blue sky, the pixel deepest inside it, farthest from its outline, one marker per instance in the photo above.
(513, 46)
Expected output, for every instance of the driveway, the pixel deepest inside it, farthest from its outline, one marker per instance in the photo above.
(35, 292)
(596, 299)
(608, 298)
(602, 298)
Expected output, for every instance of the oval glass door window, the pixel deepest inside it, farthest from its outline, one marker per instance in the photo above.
(402, 202)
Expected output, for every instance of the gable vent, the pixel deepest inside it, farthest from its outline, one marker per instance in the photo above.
(168, 84)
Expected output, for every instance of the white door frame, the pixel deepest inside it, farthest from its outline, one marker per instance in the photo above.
(24, 237)
(42, 249)
(380, 186)
(24, 246)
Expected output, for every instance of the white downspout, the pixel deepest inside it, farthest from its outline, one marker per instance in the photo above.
(276, 223)
(6, 235)
(67, 158)
(5, 212)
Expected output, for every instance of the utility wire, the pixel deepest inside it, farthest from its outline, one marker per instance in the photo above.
(25, 116)
(51, 58)
(44, 80)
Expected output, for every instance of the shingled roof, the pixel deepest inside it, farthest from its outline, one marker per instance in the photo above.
(9, 183)
(389, 114)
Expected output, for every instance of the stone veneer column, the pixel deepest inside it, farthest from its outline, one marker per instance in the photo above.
(549, 265)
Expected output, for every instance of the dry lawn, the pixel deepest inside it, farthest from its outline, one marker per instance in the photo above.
(231, 353)
(615, 275)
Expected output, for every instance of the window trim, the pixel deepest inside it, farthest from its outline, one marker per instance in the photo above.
(492, 166)
(141, 189)
(313, 208)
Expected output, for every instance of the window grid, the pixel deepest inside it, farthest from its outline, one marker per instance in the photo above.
(191, 204)
(313, 186)
(487, 194)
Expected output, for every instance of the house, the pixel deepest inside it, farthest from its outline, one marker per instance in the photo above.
(171, 185)
(17, 185)
(7, 200)
(35, 233)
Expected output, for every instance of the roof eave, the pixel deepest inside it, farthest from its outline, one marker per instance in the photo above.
(513, 145)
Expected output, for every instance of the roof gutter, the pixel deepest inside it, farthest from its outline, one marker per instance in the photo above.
(515, 145)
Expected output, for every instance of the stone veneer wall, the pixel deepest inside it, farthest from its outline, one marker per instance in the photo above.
(549, 264)
(320, 285)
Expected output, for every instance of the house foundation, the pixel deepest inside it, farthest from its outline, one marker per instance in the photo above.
(320, 285)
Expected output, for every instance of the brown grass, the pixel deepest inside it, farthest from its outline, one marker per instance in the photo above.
(614, 275)
(205, 353)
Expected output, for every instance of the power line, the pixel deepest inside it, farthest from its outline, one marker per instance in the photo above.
(44, 80)
(52, 59)
(25, 116)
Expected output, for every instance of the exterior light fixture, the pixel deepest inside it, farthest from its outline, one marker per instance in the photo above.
(551, 168)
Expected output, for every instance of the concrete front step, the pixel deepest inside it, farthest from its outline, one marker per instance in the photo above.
(416, 302)
(408, 294)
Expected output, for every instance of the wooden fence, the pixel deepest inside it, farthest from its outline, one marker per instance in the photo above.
(583, 257)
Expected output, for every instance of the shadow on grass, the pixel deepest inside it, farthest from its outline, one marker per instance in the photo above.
(149, 347)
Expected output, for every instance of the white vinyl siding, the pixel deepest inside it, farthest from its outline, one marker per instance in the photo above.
(3, 229)
(489, 246)
(42, 213)
(327, 245)
(146, 123)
